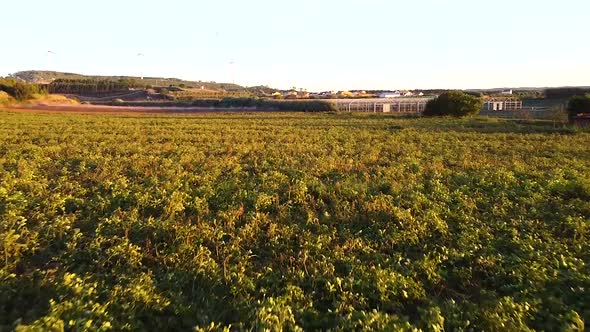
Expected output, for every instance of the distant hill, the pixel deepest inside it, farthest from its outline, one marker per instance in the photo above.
(46, 77)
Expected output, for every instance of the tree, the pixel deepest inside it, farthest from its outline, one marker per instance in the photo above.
(454, 103)
(578, 104)
(19, 90)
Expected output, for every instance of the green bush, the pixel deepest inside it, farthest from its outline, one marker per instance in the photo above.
(564, 93)
(232, 102)
(300, 106)
(578, 104)
(19, 90)
(454, 103)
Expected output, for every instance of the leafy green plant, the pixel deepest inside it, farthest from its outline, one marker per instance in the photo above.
(454, 103)
(19, 90)
(578, 105)
(291, 221)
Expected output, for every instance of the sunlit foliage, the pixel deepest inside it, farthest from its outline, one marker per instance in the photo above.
(292, 222)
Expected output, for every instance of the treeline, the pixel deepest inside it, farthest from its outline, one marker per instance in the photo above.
(49, 76)
(562, 93)
(302, 106)
(92, 86)
(528, 94)
(260, 104)
(19, 90)
(549, 93)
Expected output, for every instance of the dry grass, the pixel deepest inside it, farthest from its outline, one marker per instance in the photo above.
(5, 98)
(38, 99)
(53, 99)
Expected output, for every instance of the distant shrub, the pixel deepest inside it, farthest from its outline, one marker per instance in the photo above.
(259, 104)
(206, 103)
(578, 104)
(563, 93)
(300, 106)
(454, 103)
(240, 102)
(303, 106)
(19, 90)
(5, 98)
(92, 86)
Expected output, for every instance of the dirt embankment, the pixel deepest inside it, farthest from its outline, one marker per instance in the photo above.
(7, 101)
(137, 95)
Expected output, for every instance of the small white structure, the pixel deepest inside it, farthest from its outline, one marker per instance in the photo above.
(495, 106)
(503, 104)
(506, 92)
(394, 94)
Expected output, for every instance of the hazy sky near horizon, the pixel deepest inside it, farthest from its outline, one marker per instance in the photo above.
(318, 45)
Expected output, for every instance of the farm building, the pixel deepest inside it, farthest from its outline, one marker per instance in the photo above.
(502, 104)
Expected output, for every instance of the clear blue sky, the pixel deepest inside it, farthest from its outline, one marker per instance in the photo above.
(318, 45)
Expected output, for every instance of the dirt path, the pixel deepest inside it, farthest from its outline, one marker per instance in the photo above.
(127, 109)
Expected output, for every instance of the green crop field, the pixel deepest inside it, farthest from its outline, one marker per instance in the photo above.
(269, 222)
